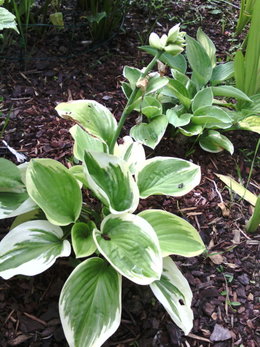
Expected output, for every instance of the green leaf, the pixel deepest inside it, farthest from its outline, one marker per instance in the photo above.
(208, 45)
(31, 248)
(149, 105)
(238, 189)
(211, 117)
(176, 236)
(177, 90)
(155, 84)
(215, 142)
(150, 134)
(78, 172)
(230, 92)
(239, 70)
(178, 120)
(7, 20)
(175, 62)
(199, 62)
(54, 190)
(132, 75)
(251, 123)
(14, 204)
(203, 98)
(191, 130)
(85, 142)
(166, 175)
(94, 117)
(90, 304)
(131, 152)
(110, 179)
(10, 177)
(131, 246)
(174, 293)
(82, 239)
(222, 72)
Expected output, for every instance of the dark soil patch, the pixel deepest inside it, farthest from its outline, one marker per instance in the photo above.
(29, 313)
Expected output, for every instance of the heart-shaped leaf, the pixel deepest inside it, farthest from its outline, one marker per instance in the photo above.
(131, 245)
(94, 117)
(174, 293)
(31, 248)
(178, 120)
(176, 236)
(150, 134)
(110, 179)
(51, 186)
(90, 303)
(167, 175)
(203, 98)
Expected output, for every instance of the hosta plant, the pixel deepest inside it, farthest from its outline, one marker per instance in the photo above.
(197, 104)
(54, 218)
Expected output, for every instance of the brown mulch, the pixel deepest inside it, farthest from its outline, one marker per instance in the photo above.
(225, 282)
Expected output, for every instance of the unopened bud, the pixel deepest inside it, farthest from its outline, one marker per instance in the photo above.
(154, 41)
(173, 33)
(173, 49)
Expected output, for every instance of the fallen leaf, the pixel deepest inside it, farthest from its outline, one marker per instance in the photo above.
(224, 209)
(220, 333)
(216, 258)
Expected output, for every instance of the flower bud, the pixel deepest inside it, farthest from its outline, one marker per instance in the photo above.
(173, 33)
(173, 49)
(154, 41)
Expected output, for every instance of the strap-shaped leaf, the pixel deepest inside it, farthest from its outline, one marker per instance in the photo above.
(174, 293)
(10, 177)
(31, 248)
(167, 175)
(208, 45)
(215, 142)
(55, 190)
(150, 134)
(199, 62)
(82, 239)
(85, 142)
(176, 236)
(131, 152)
(131, 245)
(90, 303)
(110, 179)
(14, 204)
(203, 98)
(94, 117)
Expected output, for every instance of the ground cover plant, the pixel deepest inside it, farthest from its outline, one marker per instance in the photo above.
(125, 244)
(224, 293)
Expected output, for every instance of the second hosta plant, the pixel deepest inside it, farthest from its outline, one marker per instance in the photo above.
(55, 218)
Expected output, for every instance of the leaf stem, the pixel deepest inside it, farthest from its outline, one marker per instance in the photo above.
(130, 101)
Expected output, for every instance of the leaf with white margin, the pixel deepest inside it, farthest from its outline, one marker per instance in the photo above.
(94, 117)
(90, 303)
(132, 152)
(82, 239)
(251, 123)
(14, 204)
(174, 293)
(10, 177)
(168, 176)
(214, 142)
(175, 235)
(131, 246)
(31, 248)
(54, 190)
(150, 134)
(110, 179)
(85, 142)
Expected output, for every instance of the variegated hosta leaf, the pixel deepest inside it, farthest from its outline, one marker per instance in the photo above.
(85, 142)
(82, 239)
(167, 175)
(132, 152)
(214, 142)
(174, 293)
(251, 123)
(55, 190)
(176, 236)
(14, 204)
(31, 248)
(110, 179)
(94, 117)
(131, 245)
(150, 134)
(78, 172)
(90, 303)
(10, 177)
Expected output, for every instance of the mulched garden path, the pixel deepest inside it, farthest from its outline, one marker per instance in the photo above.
(225, 283)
